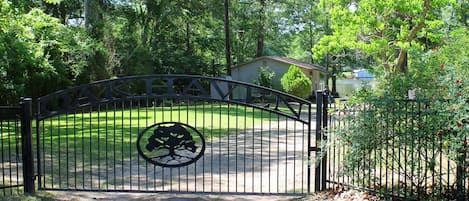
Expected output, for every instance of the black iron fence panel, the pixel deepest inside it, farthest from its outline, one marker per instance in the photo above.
(405, 158)
(174, 133)
(11, 175)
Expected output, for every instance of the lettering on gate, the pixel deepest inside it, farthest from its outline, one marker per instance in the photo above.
(153, 87)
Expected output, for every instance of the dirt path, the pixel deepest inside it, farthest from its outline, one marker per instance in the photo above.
(92, 196)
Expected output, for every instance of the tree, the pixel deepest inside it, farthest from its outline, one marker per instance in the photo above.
(227, 37)
(261, 29)
(437, 122)
(386, 31)
(306, 23)
(418, 49)
(296, 82)
(39, 54)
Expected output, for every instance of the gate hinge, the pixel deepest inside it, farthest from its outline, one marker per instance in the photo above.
(314, 149)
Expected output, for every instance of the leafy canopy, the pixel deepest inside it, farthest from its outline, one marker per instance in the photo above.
(38, 53)
(385, 30)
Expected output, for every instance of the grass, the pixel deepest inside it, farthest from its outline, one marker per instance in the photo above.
(96, 146)
(120, 128)
(90, 140)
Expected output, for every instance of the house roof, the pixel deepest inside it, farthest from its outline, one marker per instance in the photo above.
(286, 60)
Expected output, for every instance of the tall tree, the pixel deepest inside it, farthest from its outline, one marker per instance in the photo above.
(227, 37)
(385, 30)
(261, 29)
(38, 53)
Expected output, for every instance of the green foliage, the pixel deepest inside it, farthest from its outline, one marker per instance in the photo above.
(53, 1)
(39, 54)
(451, 96)
(68, 42)
(398, 133)
(265, 77)
(452, 112)
(296, 82)
(437, 122)
(385, 31)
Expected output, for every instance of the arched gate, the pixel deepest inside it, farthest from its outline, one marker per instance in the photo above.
(174, 133)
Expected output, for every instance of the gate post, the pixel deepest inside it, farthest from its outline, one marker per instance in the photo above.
(27, 147)
(324, 132)
(322, 100)
(317, 174)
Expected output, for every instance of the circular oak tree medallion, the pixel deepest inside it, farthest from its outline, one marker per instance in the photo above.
(171, 144)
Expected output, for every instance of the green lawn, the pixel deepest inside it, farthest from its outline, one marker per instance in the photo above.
(108, 136)
(77, 144)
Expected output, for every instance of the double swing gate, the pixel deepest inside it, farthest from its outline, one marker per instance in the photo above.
(174, 133)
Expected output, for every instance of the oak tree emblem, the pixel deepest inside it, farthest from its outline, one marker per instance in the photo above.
(171, 144)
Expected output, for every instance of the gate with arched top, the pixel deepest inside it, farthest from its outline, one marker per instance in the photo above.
(174, 133)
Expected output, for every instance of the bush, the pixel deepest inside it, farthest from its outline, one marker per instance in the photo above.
(265, 77)
(425, 134)
(39, 54)
(296, 82)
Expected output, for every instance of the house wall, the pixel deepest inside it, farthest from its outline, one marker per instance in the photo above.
(250, 72)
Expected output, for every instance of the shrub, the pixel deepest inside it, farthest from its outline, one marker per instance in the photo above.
(413, 138)
(296, 82)
(265, 77)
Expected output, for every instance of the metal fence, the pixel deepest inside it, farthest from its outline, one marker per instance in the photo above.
(402, 156)
(174, 133)
(16, 159)
(10, 151)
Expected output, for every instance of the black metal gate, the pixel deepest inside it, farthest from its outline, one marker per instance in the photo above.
(174, 133)
(16, 162)
(10, 148)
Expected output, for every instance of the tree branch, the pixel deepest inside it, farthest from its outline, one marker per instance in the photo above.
(421, 24)
(401, 62)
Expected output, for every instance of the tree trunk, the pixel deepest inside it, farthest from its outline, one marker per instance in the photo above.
(311, 42)
(94, 18)
(188, 40)
(227, 38)
(88, 18)
(94, 23)
(260, 34)
(402, 58)
(402, 61)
